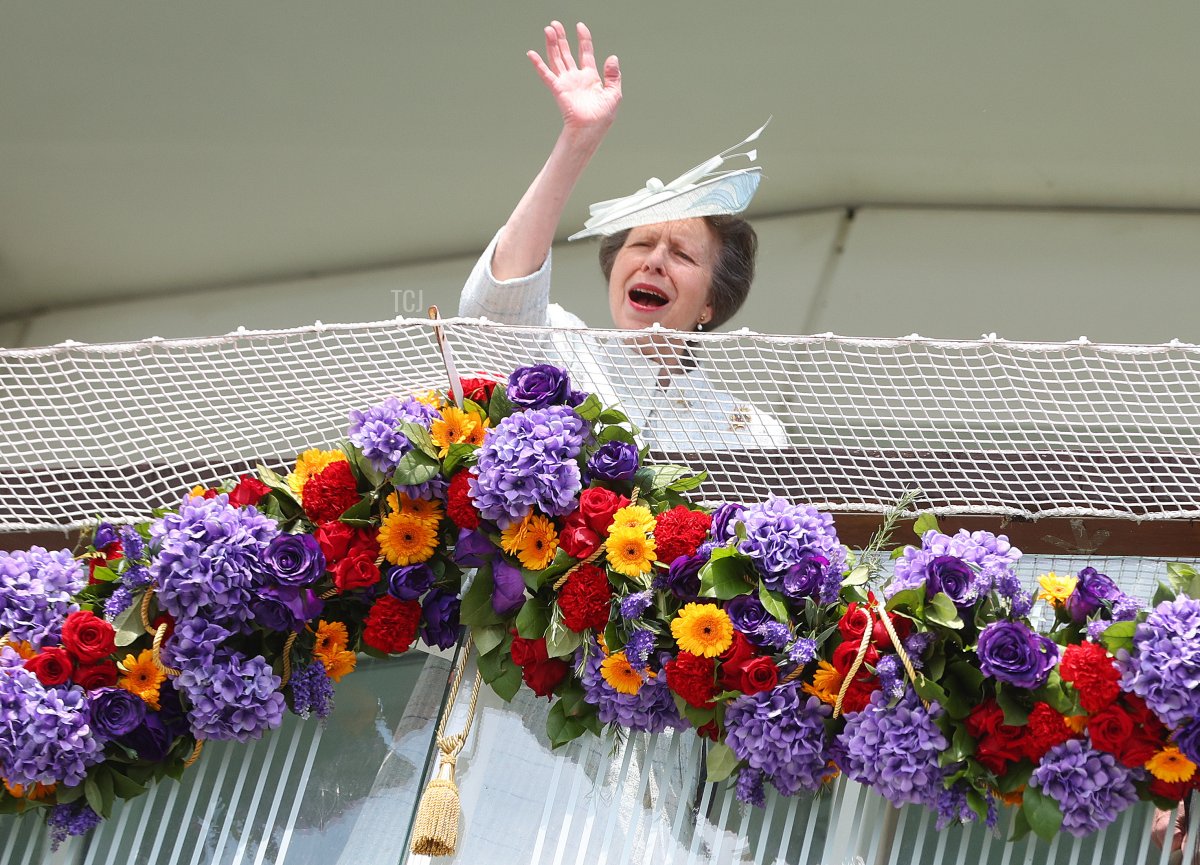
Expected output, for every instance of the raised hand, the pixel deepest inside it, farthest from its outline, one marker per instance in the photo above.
(587, 101)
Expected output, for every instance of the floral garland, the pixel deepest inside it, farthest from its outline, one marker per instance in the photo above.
(585, 574)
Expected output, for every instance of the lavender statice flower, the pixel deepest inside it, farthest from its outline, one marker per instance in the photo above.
(1164, 667)
(991, 556)
(633, 605)
(527, 461)
(136, 577)
(895, 750)
(802, 651)
(1090, 786)
(133, 545)
(1096, 629)
(45, 733)
(376, 431)
(778, 534)
(312, 691)
(35, 593)
(72, 819)
(891, 678)
(781, 733)
(211, 559)
(232, 697)
(772, 635)
(750, 787)
(638, 648)
(118, 602)
(952, 807)
(652, 709)
(916, 645)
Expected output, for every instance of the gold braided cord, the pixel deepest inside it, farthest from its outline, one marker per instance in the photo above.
(793, 675)
(854, 668)
(195, 755)
(146, 609)
(899, 646)
(326, 595)
(287, 659)
(156, 652)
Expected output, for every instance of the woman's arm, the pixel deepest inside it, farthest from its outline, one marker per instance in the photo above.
(588, 103)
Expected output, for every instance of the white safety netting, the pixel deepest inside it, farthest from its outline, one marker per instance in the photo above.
(1018, 429)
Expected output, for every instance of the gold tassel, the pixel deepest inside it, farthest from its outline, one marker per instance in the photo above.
(435, 832)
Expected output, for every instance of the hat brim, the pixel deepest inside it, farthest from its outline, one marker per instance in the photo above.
(721, 196)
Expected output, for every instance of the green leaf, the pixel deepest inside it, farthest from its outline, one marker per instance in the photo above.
(857, 576)
(684, 485)
(561, 641)
(590, 409)
(924, 523)
(99, 788)
(962, 745)
(500, 406)
(724, 576)
(561, 728)
(721, 762)
(359, 514)
(613, 638)
(128, 624)
(488, 637)
(414, 468)
(476, 608)
(613, 416)
(1162, 593)
(615, 433)
(549, 574)
(1044, 816)
(1119, 635)
(930, 690)
(361, 465)
(103, 574)
(420, 438)
(125, 787)
(459, 453)
(533, 620)
(1020, 826)
(1015, 713)
(912, 600)
(773, 602)
(1015, 777)
(941, 611)
(508, 682)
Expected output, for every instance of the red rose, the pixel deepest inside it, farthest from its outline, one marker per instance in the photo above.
(1149, 734)
(527, 651)
(51, 666)
(1110, 730)
(1173, 790)
(335, 539)
(691, 677)
(679, 532)
(739, 652)
(1045, 729)
(392, 624)
(102, 674)
(858, 695)
(1088, 667)
(330, 492)
(545, 676)
(458, 502)
(249, 491)
(357, 571)
(881, 639)
(88, 638)
(845, 653)
(985, 718)
(108, 554)
(598, 506)
(577, 538)
(757, 674)
(478, 390)
(585, 599)
(853, 623)
(996, 750)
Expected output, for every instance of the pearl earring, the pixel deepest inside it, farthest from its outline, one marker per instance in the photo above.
(700, 325)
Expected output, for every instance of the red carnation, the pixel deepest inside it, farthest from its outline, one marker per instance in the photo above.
(102, 674)
(691, 677)
(577, 538)
(711, 730)
(357, 571)
(458, 502)
(1173, 790)
(598, 506)
(88, 638)
(392, 625)
(585, 599)
(679, 532)
(478, 390)
(330, 492)
(51, 666)
(1045, 729)
(249, 491)
(1088, 667)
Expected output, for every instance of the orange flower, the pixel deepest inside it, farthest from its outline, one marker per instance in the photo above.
(142, 676)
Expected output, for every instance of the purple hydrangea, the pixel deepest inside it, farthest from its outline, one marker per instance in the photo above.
(35, 593)
(527, 461)
(782, 733)
(1011, 652)
(376, 431)
(1164, 667)
(136, 577)
(211, 559)
(232, 697)
(750, 788)
(312, 691)
(194, 643)
(633, 605)
(614, 461)
(779, 534)
(895, 750)
(991, 557)
(652, 709)
(439, 619)
(1090, 786)
(46, 734)
(72, 819)
(638, 648)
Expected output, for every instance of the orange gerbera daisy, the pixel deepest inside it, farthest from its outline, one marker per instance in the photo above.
(429, 510)
(1171, 765)
(702, 629)
(533, 540)
(455, 427)
(337, 663)
(406, 539)
(20, 791)
(142, 676)
(310, 463)
(615, 670)
(629, 552)
(24, 648)
(826, 683)
(331, 637)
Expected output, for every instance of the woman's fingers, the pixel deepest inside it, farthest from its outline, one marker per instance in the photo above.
(612, 74)
(564, 45)
(553, 56)
(543, 71)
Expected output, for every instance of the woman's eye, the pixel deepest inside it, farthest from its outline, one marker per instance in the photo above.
(686, 257)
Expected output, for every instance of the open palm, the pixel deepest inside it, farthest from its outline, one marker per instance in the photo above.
(586, 100)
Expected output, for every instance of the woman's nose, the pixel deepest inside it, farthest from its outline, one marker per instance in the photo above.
(655, 259)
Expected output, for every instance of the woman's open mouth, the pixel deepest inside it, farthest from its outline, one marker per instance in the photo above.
(647, 297)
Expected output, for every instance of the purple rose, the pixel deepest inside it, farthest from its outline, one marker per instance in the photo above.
(614, 461)
(1093, 588)
(538, 386)
(747, 613)
(439, 619)
(683, 577)
(116, 712)
(295, 560)
(151, 739)
(576, 398)
(723, 519)
(951, 575)
(1187, 739)
(286, 608)
(105, 535)
(1010, 652)
(409, 582)
(509, 588)
(804, 579)
(473, 549)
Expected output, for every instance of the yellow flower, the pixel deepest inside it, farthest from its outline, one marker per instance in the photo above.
(18, 791)
(702, 629)
(142, 677)
(1077, 723)
(406, 539)
(533, 540)
(1056, 589)
(826, 683)
(338, 663)
(429, 510)
(455, 427)
(310, 463)
(615, 670)
(24, 648)
(430, 398)
(331, 637)
(633, 517)
(629, 552)
(1171, 765)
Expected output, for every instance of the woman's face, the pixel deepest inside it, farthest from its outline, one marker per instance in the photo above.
(663, 274)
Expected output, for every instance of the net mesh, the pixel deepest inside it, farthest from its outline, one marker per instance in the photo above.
(984, 427)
